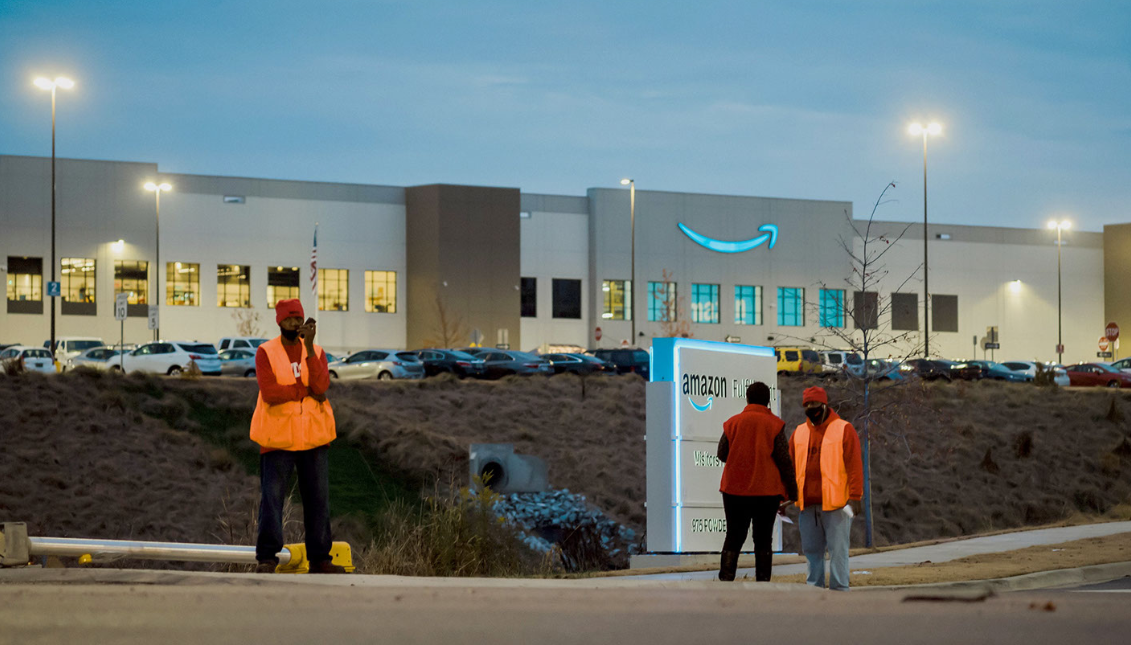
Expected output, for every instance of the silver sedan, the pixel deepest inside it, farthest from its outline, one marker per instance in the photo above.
(383, 364)
(237, 362)
(98, 358)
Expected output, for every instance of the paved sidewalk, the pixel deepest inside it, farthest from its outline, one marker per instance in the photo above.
(938, 552)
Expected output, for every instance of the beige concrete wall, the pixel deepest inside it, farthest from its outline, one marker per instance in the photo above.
(1117, 280)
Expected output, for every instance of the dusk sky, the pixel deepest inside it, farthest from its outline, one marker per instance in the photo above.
(783, 99)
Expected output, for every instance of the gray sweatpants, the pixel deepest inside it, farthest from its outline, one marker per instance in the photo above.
(821, 531)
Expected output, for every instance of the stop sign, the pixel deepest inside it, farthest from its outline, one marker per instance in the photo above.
(1104, 344)
(597, 333)
(1112, 331)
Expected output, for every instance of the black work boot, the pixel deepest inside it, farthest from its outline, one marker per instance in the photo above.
(763, 565)
(266, 566)
(728, 564)
(326, 566)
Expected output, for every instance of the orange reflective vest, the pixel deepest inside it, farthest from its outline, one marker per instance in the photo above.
(294, 425)
(834, 476)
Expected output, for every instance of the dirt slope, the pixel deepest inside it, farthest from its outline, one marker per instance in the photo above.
(116, 457)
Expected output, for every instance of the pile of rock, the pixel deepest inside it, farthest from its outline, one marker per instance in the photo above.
(566, 525)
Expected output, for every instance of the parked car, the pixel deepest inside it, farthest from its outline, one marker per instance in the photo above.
(1123, 365)
(1029, 370)
(171, 357)
(97, 358)
(34, 359)
(68, 347)
(879, 369)
(961, 371)
(795, 360)
(926, 369)
(841, 361)
(382, 364)
(498, 363)
(4, 346)
(576, 363)
(241, 342)
(237, 362)
(1096, 374)
(450, 361)
(997, 371)
(625, 361)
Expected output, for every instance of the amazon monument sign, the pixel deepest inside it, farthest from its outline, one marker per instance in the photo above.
(696, 385)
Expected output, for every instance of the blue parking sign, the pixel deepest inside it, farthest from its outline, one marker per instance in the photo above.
(54, 290)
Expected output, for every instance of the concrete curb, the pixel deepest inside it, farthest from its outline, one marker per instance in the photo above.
(1030, 581)
(73, 576)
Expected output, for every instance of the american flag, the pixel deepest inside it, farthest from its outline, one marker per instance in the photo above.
(314, 266)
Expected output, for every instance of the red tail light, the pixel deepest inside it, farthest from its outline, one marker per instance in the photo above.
(195, 357)
(530, 364)
(398, 363)
(463, 363)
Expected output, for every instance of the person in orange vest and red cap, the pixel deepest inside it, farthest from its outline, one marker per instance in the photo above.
(293, 424)
(830, 477)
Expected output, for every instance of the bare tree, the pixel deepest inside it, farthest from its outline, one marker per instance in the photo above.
(247, 322)
(673, 308)
(860, 329)
(449, 329)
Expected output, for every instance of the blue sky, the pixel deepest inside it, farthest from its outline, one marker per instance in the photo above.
(785, 99)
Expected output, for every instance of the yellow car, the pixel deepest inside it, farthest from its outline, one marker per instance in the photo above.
(795, 360)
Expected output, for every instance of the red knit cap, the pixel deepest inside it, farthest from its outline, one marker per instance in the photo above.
(287, 308)
(814, 393)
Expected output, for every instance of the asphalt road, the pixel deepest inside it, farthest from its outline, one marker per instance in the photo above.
(246, 612)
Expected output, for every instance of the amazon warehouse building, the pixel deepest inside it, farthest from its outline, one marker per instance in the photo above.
(409, 267)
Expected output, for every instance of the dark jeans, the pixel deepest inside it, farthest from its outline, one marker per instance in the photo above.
(742, 511)
(275, 469)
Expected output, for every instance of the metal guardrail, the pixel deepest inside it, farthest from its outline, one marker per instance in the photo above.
(102, 549)
(17, 549)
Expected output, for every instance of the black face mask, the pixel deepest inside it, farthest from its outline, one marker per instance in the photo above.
(289, 334)
(816, 415)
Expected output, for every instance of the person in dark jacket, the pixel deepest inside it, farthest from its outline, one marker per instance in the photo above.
(757, 477)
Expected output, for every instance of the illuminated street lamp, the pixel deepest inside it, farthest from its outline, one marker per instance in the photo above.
(631, 183)
(157, 189)
(47, 84)
(1060, 226)
(933, 129)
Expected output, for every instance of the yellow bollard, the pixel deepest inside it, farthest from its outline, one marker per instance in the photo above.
(340, 554)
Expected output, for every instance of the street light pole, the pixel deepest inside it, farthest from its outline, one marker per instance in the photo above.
(1059, 226)
(632, 271)
(157, 189)
(933, 128)
(45, 84)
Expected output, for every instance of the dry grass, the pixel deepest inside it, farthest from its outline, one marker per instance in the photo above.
(106, 456)
(76, 462)
(1066, 555)
(448, 537)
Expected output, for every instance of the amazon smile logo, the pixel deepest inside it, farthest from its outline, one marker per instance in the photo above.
(769, 234)
(701, 408)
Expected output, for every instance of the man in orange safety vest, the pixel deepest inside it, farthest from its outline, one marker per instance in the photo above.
(293, 424)
(826, 462)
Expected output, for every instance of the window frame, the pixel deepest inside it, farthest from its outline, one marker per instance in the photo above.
(274, 289)
(709, 291)
(666, 309)
(610, 307)
(333, 278)
(755, 306)
(174, 286)
(831, 301)
(240, 282)
(796, 298)
(388, 282)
